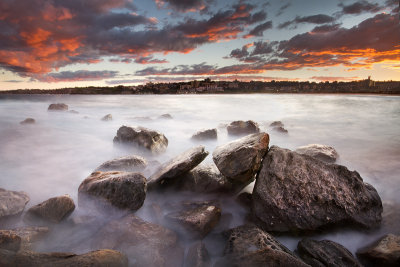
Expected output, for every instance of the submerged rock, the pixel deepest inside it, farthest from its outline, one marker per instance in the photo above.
(127, 164)
(151, 140)
(241, 159)
(53, 210)
(243, 127)
(276, 124)
(124, 190)
(21, 238)
(100, 258)
(172, 171)
(57, 107)
(28, 121)
(12, 203)
(197, 256)
(280, 129)
(295, 192)
(384, 252)
(107, 117)
(165, 116)
(73, 111)
(210, 134)
(321, 152)
(326, 253)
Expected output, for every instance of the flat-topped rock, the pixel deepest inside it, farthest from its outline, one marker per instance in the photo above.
(383, 252)
(28, 121)
(243, 127)
(321, 152)
(209, 134)
(128, 164)
(58, 107)
(12, 202)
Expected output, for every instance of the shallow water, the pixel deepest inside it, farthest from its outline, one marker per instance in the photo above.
(53, 156)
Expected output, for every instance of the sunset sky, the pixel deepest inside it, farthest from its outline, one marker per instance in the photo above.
(67, 43)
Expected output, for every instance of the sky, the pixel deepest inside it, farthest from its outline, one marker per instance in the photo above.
(48, 44)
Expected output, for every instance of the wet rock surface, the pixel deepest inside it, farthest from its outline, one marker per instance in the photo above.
(28, 121)
(58, 107)
(241, 159)
(22, 238)
(210, 134)
(321, 152)
(12, 203)
(384, 252)
(197, 256)
(107, 117)
(124, 190)
(126, 164)
(295, 192)
(142, 137)
(325, 253)
(243, 127)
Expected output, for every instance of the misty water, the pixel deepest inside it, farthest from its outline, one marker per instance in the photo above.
(54, 155)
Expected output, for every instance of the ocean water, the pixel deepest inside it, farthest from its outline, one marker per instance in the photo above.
(54, 155)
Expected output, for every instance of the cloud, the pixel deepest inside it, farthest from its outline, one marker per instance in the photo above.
(259, 29)
(184, 5)
(13, 81)
(72, 76)
(314, 19)
(332, 79)
(283, 8)
(360, 7)
(326, 28)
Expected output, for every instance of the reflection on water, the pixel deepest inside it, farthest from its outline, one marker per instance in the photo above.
(53, 156)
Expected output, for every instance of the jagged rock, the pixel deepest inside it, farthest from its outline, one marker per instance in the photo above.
(52, 210)
(276, 124)
(57, 107)
(250, 246)
(127, 164)
(280, 129)
(12, 202)
(107, 117)
(295, 192)
(124, 190)
(210, 134)
(165, 116)
(22, 238)
(205, 179)
(146, 244)
(325, 253)
(321, 152)
(100, 258)
(240, 160)
(151, 140)
(384, 252)
(28, 121)
(196, 222)
(243, 127)
(197, 256)
(174, 169)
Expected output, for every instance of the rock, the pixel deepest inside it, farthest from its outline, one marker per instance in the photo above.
(295, 192)
(127, 164)
(100, 258)
(245, 199)
(151, 140)
(321, 152)
(205, 179)
(58, 107)
(243, 128)
(241, 159)
(165, 116)
(107, 117)
(197, 222)
(210, 134)
(124, 190)
(28, 121)
(390, 218)
(250, 246)
(12, 203)
(9, 241)
(197, 256)
(280, 129)
(325, 253)
(384, 252)
(174, 169)
(22, 238)
(74, 112)
(145, 243)
(52, 210)
(276, 124)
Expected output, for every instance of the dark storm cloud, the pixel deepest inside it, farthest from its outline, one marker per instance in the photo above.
(184, 5)
(326, 28)
(260, 29)
(314, 19)
(360, 7)
(80, 75)
(283, 8)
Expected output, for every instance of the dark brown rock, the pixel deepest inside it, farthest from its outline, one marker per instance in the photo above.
(9, 241)
(107, 117)
(57, 107)
(28, 121)
(321, 152)
(12, 202)
(325, 253)
(384, 252)
(210, 134)
(23, 238)
(243, 127)
(124, 190)
(127, 164)
(197, 256)
(296, 192)
(142, 137)
(53, 210)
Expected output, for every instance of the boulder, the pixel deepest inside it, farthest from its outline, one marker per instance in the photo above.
(243, 128)
(321, 152)
(196, 222)
(241, 159)
(12, 203)
(145, 243)
(21, 238)
(107, 117)
(99, 258)
(248, 245)
(142, 137)
(384, 252)
(165, 116)
(57, 107)
(197, 256)
(205, 178)
(325, 253)
(28, 121)
(296, 192)
(124, 190)
(210, 134)
(276, 124)
(280, 129)
(53, 210)
(127, 164)
(174, 169)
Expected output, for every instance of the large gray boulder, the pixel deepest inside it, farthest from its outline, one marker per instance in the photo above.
(126, 164)
(241, 159)
(243, 127)
(248, 245)
(124, 190)
(142, 137)
(99, 258)
(325, 253)
(21, 238)
(383, 252)
(173, 170)
(146, 244)
(321, 152)
(58, 107)
(12, 203)
(296, 192)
